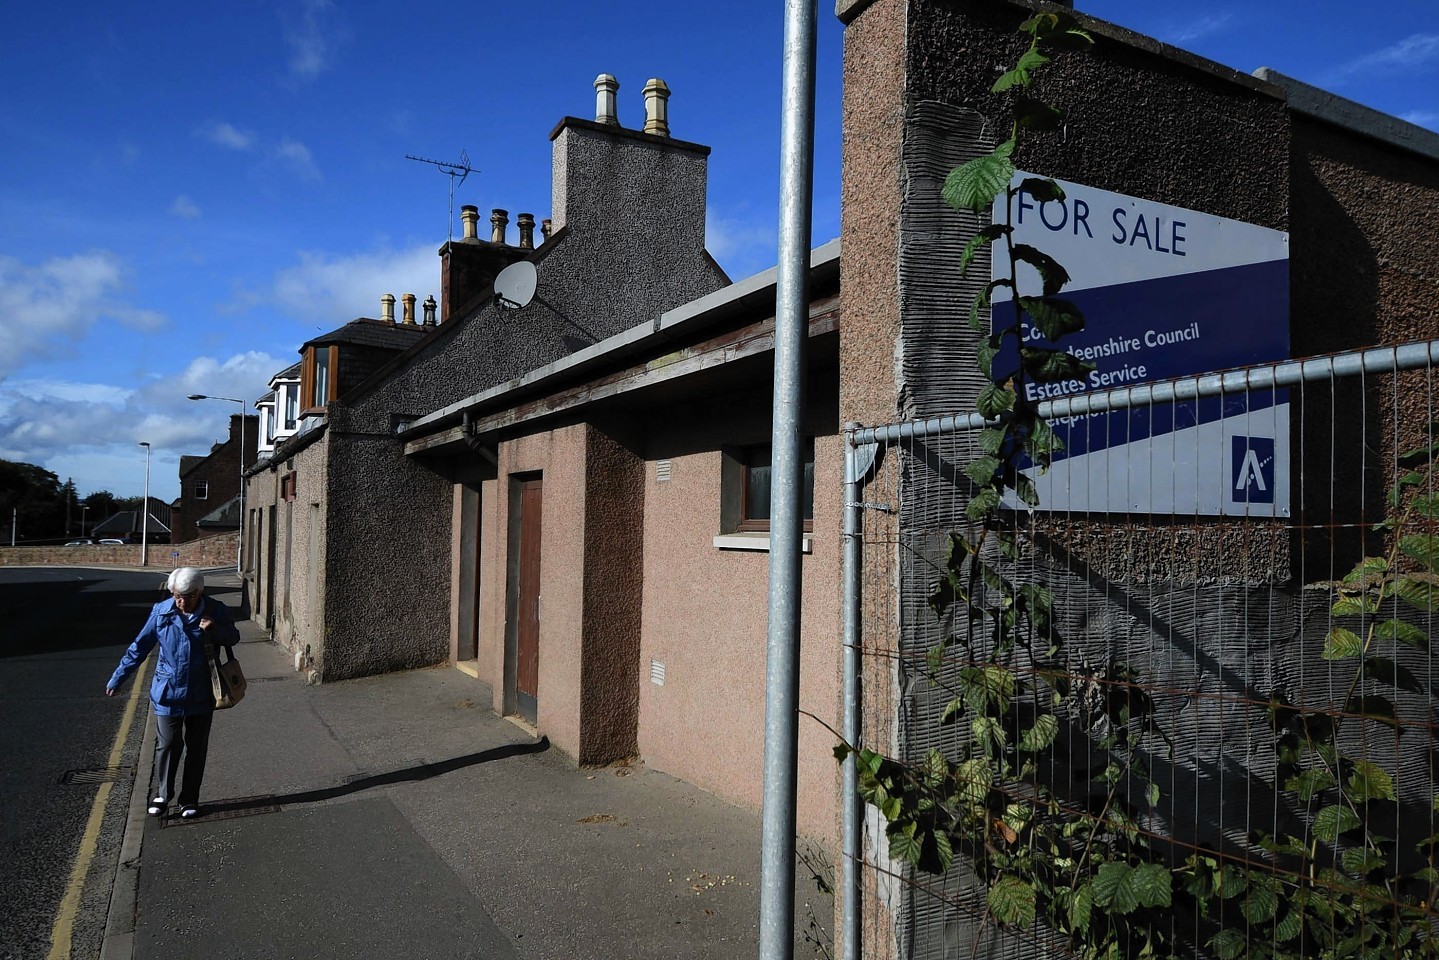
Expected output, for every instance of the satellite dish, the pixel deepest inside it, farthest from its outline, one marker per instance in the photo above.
(515, 286)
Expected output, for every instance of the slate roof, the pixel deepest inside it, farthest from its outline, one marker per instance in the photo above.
(126, 522)
(374, 333)
(224, 517)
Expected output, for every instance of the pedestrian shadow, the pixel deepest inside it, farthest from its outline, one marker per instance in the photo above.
(416, 774)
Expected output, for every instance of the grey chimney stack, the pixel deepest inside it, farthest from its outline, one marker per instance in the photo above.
(470, 216)
(387, 308)
(409, 301)
(430, 306)
(526, 223)
(499, 219)
(546, 228)
(606, 87)
(657, 112)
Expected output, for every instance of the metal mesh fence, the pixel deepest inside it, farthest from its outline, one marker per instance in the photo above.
(1215, 675)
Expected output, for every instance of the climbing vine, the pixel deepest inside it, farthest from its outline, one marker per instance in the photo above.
(1077, 860)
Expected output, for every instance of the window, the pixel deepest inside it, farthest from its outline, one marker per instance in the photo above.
(287, 486)
(745, 488)
(290, 400)
(317, 378)
(202, 489)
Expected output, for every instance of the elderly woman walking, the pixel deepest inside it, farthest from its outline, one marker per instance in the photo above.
(184, 705)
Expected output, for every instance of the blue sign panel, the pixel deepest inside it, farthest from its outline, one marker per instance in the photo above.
(1166, 292)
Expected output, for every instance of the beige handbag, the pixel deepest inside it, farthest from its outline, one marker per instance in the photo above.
(227, 680)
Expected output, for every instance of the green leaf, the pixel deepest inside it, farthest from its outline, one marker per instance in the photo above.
(1423, 547)
(1366, 568)
(1053, 317)
(1416, 593)
(1333, 820)
(1152, 794)
(1037, 115)
(1290, 927)
(1114, 888)
(1050, 272)
(1042, 189)
(1427, 506)
(973, 779)
(991, 439)
(1011, 900)
(1372, 707)
(1354, 605)
(952, 710)
(993, 400)
(1341, 644)
(1310, 783)
(1022, 74)
(1041, 735)
(1043, 442)
(1395, 674)
(1260, 903)
(1370, 782)
(1050, 365)
(974, 185)
(988, 733)
(1403, 632)
(905, 846)
(987, 686)
(984, 504)
(1025, 490)
(984, 238)
(982, 471)
(1153, 885)
(984, 353)
(1081, 905)
(943, 850)
(1359, 861)
(1229, 944)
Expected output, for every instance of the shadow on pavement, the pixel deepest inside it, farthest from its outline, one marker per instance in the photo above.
(416, 774)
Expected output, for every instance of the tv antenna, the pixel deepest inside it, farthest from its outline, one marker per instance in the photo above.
(461, 169)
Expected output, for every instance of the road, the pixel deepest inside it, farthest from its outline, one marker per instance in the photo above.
(62, 631)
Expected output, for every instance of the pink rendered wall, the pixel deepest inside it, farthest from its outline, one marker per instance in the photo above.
(559, 457)
(705, 615)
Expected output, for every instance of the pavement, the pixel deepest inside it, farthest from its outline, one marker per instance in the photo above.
(398, 816)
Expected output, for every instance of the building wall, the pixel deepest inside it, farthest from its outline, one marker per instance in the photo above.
(221, 471)
(299, 552)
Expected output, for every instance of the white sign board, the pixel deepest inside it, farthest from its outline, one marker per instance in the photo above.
(1166, 292)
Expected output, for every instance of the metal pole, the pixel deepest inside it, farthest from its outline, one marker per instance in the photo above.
(145, 511)
(240, 540)
(781, 742)
(851, 807)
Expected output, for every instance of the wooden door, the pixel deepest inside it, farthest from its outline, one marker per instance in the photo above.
(527, 612)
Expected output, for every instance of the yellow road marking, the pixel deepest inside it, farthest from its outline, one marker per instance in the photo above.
(64, 928)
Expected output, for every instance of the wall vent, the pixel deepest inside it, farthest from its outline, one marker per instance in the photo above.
(662, 470)
(657, 672)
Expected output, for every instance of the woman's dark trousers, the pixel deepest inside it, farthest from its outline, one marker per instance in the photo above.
(190, 735)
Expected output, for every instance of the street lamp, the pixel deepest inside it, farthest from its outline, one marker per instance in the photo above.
(145, 511)
(240, 543)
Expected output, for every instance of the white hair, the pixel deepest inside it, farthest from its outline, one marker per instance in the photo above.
(185, 580)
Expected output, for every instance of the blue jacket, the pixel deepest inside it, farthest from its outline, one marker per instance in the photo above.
(182, 679)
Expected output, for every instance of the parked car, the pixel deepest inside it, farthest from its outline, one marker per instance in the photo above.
(80, 543)
(113, 542)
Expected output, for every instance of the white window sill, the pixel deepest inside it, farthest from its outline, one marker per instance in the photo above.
(758, 540)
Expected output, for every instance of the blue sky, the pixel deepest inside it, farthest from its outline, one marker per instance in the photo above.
(189, 192)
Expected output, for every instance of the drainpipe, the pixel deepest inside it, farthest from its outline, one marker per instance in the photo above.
(781, 737)
(851, 807)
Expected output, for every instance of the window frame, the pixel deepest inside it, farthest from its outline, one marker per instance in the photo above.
(735, 485)
(200, 489)
(308, 376)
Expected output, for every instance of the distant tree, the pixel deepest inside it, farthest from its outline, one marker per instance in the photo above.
(34, 498)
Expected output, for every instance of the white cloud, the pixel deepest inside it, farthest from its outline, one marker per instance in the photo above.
(227, 135)
(296, 156)
(1413, 54)
(47, 308)
(326, 291)
(184, 208)
(742, 247)
(1190, 31)
(89, 431)
(312, 38)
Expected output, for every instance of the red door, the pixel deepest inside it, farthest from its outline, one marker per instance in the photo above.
(527, 659)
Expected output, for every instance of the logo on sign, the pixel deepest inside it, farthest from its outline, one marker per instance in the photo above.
(1252, 470)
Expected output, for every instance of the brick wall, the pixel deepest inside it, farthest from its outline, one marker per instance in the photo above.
(216, 551)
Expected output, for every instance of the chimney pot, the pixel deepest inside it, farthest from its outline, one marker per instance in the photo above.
(499, 219)
(546, 228)
(430, 306)
(526, 223)
(606, 87)
(387, 308)
(409, 301)
(470, 217)
(657, 95)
